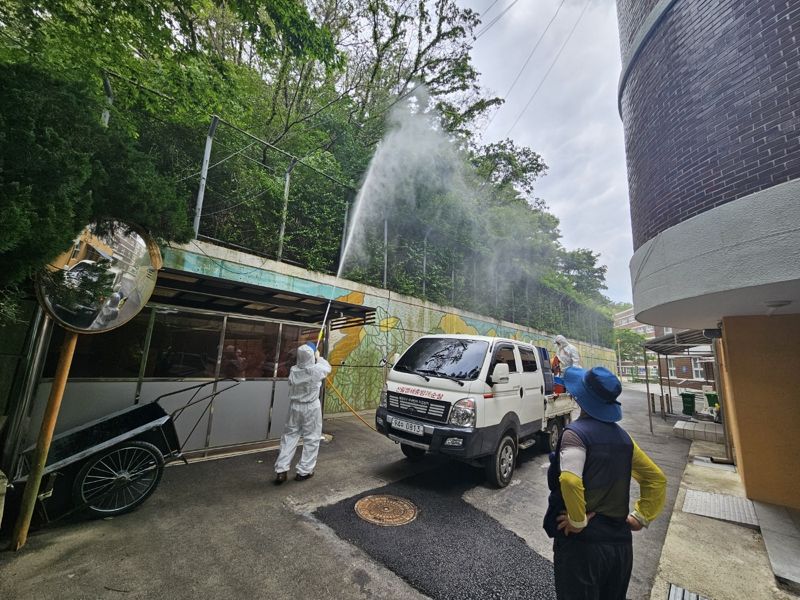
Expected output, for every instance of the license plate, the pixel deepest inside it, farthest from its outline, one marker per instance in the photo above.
(414, 428)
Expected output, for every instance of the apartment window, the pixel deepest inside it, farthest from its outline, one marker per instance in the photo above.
(667, 330)
(671, 364)
(698, 372)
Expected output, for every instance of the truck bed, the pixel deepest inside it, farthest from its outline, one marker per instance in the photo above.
(559, 404)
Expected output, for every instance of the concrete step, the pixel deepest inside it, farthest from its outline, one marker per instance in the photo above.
(780, 528)
(699, 430)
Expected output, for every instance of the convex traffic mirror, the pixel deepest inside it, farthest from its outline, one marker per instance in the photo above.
(103, 280)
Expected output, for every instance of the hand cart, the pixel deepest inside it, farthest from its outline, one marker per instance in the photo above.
(109, 466)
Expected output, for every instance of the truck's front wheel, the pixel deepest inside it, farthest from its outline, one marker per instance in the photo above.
(500, 466)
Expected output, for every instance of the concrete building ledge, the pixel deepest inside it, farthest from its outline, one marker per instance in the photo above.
(699, 430)
(780, 527)
(728, 261)
(714, 558)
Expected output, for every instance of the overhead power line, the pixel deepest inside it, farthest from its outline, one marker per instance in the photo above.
(550, 68)
(533, 51)
(525, 64)
(491, 23)
(490, 7)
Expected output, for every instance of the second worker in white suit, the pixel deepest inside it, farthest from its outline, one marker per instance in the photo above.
(305, 415)
(568, 355)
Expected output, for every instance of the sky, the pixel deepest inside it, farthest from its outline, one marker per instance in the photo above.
(572, 121)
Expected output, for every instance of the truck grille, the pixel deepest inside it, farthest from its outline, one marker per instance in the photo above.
(422, 408)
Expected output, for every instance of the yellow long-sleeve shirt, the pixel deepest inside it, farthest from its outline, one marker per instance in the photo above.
(652, 486)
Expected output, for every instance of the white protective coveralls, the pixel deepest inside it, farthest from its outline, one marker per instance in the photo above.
(305, 412)
(568, 355)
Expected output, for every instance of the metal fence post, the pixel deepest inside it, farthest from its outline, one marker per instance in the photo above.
(201, 191)
(285, 211)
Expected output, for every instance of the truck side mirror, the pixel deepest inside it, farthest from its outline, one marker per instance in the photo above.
(500, 373)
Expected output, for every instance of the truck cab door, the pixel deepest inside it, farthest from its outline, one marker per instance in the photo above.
(507, 396)
(532, 380)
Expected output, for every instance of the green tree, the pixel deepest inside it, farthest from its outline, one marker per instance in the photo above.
(61, 169)
(581, 268)
(629, 345)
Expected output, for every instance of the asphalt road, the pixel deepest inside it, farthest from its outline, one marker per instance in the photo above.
(452, 550)
(466, 541)
(220, 529)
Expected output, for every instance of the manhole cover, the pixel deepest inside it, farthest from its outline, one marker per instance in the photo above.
(389, 511)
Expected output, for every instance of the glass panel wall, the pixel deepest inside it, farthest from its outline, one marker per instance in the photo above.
(292, 337)
(250, 349)
(184, 345)
(116, 354)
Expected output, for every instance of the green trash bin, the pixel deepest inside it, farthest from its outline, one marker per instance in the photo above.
(713, 399)
(688, 403)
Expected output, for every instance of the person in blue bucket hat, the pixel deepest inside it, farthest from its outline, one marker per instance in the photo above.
(588, 514)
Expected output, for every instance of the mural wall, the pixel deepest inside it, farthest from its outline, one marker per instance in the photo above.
(358, 354)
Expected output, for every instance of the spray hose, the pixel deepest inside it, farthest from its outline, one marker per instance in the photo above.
(350, 408)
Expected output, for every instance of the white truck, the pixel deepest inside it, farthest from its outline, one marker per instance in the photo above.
(475, 398)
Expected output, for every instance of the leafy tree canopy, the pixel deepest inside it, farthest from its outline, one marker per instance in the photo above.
(316, 79)
(629, 344)
(60, 169)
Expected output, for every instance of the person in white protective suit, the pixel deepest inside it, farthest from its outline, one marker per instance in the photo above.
(305, 415)
(568, 355)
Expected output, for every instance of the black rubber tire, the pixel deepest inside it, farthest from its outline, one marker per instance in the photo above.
(553, 434)
(119, 493)
(412, 454)
(500, 465)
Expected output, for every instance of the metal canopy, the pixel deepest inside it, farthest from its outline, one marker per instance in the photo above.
(207, 293)
(684, 342)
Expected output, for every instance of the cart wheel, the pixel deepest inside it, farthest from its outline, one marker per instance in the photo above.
(118, 479)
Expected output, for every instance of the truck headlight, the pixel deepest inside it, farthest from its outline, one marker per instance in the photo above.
(383, 401)
(463, 413)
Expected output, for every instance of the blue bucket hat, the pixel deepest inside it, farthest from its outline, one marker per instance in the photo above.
(596, 391)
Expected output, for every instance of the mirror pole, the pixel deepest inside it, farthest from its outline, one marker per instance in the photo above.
(43, 443)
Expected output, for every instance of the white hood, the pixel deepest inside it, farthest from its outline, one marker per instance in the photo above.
(305, 378)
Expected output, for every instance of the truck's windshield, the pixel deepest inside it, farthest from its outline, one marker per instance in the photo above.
(445, 357)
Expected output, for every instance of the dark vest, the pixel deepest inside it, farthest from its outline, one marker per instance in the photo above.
(606, 482)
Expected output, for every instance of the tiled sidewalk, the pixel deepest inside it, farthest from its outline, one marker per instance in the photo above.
(712, 557)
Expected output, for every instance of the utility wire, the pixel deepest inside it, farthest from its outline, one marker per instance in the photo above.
(525, 64)
(491, 23)
(219, 162)
(550, 68)
(491, 6)
(248, 198)
(533, 51)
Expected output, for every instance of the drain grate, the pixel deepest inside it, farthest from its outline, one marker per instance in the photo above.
(385, 510)
(678, 593)
(720, 506)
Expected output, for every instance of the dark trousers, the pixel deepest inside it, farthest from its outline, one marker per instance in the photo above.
(591, 571)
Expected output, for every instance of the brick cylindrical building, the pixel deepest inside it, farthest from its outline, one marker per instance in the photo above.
(709, 95)
(710, 99)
